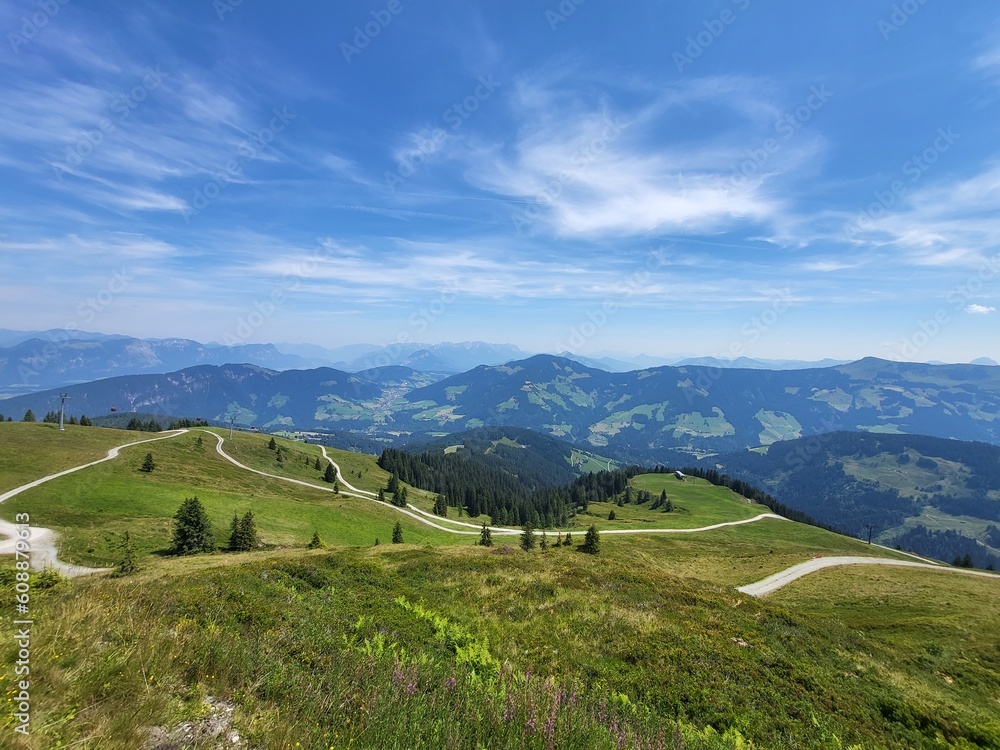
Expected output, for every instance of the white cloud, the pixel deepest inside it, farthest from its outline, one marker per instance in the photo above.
(591, 168)
(980, 310)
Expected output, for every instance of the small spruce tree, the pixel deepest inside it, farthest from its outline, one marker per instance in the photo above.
(398, 499)
(243, 533)
(397, 533)
(592, 541)
(248, 532)
(85, 421)
(29, 416)
(318, 466)
(148, 464)
(315, 542)
(331, 474)
(485, 536)
(273, 444)
(544, 544)
(527, 537)
(611, 516)
(234, 533)
(128, 565)
(192, 529)
(440, 506)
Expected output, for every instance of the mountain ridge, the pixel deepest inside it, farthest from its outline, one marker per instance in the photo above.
(641, 416)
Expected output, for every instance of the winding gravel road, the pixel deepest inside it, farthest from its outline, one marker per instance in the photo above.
(44, 551)
(785, 577)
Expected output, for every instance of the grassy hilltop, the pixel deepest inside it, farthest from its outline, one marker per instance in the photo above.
(439, 643)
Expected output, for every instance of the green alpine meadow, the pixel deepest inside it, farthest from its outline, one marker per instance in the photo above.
(324, 633)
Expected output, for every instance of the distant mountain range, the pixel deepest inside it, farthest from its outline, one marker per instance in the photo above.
(644, 415)
(31, 361)
(36, 360)
(36, 363)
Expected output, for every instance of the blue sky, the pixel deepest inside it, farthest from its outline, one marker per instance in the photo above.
(785, 180)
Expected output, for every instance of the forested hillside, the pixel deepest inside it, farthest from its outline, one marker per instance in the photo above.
(937, 497)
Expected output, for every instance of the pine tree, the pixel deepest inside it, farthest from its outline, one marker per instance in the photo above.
(128, 565)
(592, 541)
(336, 487)
(331, 474)
(234, 534)
(544, 543)
(29, 416)
(397, 533)
(148, 464)
(315, 542)
(243, 533)
(85, 422)
(568, 541)
(248, 531)
(441, 506)
(280, 457)
(273, 444)
(192, 529)
(527, 537)
(199, 443)
(381, 495)
(485, 536)
(51, 417)
(318, 466)
(393, 486)
(611, 516)
(399, 498)
(72, 420)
